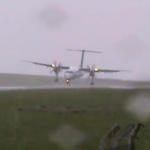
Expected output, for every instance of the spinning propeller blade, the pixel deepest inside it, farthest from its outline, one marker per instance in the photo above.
(91, 69)
(56, 68)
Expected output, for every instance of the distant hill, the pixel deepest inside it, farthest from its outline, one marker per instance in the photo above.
(41, 80)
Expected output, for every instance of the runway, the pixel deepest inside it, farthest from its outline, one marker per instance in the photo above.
(60, 86)
(29, 82)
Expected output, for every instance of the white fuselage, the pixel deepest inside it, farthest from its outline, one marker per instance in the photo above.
(73, 73)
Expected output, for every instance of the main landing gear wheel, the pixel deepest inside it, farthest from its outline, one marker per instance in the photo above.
(92, 83)
(56, 80)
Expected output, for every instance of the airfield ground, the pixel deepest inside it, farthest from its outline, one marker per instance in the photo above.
(15, 80)
(29, 120)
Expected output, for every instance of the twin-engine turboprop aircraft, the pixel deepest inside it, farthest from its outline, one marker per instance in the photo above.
(75, 72)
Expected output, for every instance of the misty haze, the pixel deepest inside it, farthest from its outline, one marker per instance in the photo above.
(71, 70)
(42, 31)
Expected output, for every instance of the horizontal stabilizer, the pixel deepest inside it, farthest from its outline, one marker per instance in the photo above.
(84, 51)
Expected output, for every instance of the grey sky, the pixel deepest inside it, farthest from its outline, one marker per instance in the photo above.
(119, 29)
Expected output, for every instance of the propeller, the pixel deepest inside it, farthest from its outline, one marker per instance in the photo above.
(56, 68)
(91, 71)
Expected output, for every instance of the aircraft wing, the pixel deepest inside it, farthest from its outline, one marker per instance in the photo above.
(84, 69)
(103, 70)
(110, 71)
(46, 65)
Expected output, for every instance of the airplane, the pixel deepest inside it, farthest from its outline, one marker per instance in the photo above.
(77, 72)
(58, 68)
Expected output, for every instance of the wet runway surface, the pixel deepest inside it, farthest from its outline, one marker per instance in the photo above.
(65, 86)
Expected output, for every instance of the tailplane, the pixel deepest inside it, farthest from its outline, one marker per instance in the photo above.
(82, 56)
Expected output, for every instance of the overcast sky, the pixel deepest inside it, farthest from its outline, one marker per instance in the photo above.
(42, 30)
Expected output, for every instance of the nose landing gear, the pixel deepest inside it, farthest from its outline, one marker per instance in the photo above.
(67, 81)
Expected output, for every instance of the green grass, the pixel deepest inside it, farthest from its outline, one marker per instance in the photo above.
(30, 129)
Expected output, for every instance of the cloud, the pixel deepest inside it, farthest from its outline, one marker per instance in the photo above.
(131, 46)
(53, 16)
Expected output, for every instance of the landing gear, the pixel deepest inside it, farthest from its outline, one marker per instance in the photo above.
(92, 83)
(56, 80)
(67, 81)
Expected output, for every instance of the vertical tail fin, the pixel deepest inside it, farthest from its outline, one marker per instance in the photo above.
(82, 56)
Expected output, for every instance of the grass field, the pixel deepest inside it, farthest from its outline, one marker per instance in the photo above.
(24, 127)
